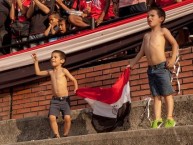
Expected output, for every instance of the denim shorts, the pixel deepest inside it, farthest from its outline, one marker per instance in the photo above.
(160, 80)
(58, 105)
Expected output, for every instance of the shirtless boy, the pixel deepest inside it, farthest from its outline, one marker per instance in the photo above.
(153, 47)
(59, 102)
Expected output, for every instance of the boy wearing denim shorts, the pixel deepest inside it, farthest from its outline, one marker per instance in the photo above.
(59, 102)
(153, 47)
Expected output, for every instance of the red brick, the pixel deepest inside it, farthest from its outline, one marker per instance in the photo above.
(18, 97)
(187, 80)
(31, 114)
(81, 102)
(73, 103)
(102, 67)
(108, 82)
(135, 88)
(143, 59)
(39, 88)
(46, 92)
(145, 87)
(142, 76)
(1, 100)
(21, 101)
(78, 107)
(185, 74)
(111, 71)
(93, 74)
(187, 86)
(21, 111)
(139, 71)
(140, 93)
(49, 97)
(7, 108)
(186, 62)
(72, 98)
(31, 104)
(46, 102)
(119, 64)
(86, 80)
(18, 116)
(85, 70)
(40, 98)
(49, 87)
(104, 77)
(134, 77)
(94, 84)
(31, 95)
(39, 108)
(188, 91)
(43, 113)
(116, 75)
(189, 68)
(16, 107)
(187, 56)
(139, 82)
(6, 98)
(4, 104)
(81, 76)
(5, 113)
(143, 64)
(185, 51)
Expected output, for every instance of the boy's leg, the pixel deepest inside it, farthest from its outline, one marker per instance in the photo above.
(54, 125)
(157, 107)
(67, 124)
(169, 101)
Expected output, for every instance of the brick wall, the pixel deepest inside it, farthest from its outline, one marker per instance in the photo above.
(33, 99)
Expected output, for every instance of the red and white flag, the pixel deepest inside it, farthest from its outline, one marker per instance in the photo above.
(110, 105)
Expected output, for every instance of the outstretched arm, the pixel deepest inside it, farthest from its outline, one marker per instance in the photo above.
(175, 47)
(37, 68)
(68, 74)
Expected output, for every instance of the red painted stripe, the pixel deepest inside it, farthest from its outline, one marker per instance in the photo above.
(86, 32)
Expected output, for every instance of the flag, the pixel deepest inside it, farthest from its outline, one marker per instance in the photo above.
(110, 105)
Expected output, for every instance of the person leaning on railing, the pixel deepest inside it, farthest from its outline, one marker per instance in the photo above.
(18, 15)
(38, 13)
(5, 6)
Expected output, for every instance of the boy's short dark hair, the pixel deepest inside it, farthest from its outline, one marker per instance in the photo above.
(55, 14)
(62, 19)
(160, 12)
(62, 55)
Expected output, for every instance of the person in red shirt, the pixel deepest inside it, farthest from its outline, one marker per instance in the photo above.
(100, 10)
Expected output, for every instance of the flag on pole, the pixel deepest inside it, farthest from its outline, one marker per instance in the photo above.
(110, 105)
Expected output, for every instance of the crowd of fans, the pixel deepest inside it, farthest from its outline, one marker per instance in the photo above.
(28, 20)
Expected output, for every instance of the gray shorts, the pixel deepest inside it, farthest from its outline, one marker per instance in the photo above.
(58, 105)
(159, 80)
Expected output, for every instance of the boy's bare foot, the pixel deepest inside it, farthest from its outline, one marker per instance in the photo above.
(65, 135)
(56, 136)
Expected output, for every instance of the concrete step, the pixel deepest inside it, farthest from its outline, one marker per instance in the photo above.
(37, 128)
(181, 135)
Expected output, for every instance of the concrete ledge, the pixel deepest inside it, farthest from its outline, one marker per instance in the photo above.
(182, 135)
(12, 131)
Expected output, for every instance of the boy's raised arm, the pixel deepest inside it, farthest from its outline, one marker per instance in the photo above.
(175, 47)
(68, 74)
(37, 68)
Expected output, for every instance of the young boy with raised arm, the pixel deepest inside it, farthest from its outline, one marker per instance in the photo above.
(59, 102)
(153, 47)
